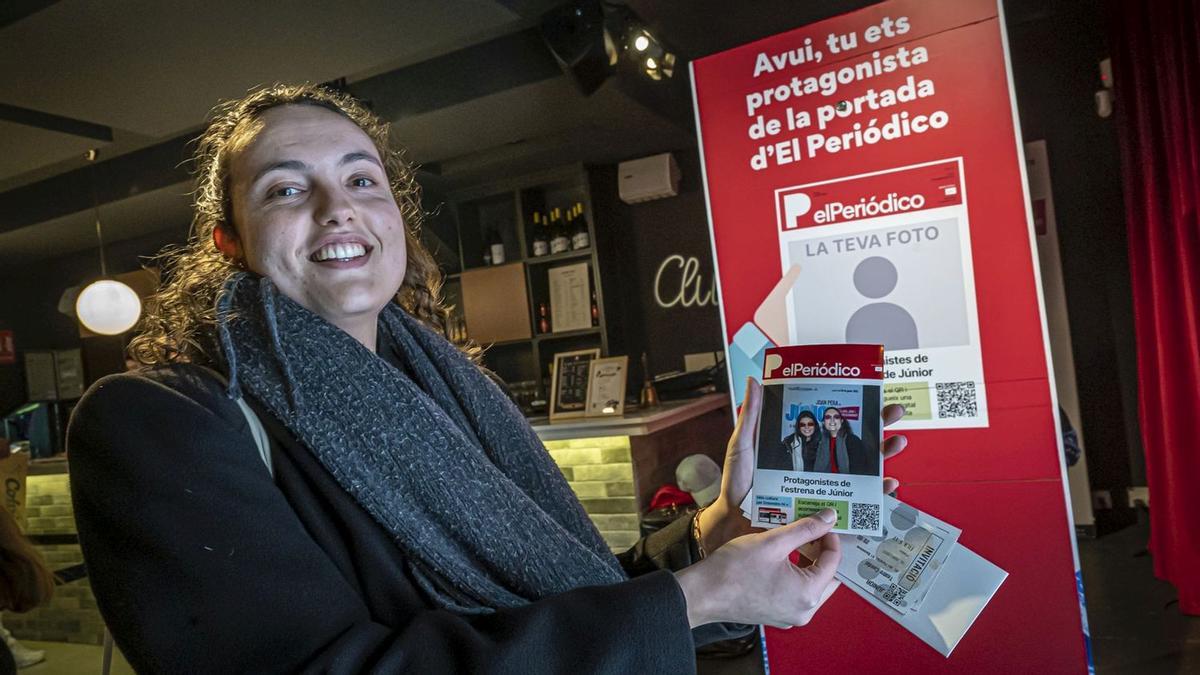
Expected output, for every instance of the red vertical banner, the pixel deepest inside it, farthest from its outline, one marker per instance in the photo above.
(865, 184)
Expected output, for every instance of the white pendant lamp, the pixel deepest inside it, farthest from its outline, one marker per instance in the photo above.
(106, 306)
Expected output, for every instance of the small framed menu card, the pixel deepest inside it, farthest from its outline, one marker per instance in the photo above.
(606, 387)
(569, 383)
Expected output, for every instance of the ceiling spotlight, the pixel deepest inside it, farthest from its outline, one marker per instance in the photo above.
(589, 37)
(647, 51)
(664, 67)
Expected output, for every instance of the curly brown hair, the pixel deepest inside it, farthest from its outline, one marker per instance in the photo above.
(182, 313)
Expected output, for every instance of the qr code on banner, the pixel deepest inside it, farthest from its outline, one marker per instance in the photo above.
(864, 516)
(956, 399)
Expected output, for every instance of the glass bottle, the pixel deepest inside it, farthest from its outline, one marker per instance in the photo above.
(496, 244)
(543, 318)
(541, 240)
(561, 240)
(579, 237)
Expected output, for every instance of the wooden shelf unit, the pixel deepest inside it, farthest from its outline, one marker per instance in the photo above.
(507, 207)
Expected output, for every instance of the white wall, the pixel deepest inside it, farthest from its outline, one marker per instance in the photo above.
(1038, 169)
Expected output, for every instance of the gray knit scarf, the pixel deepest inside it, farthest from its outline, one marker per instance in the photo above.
(436, 453)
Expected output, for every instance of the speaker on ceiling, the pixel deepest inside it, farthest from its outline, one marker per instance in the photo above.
(576, 35)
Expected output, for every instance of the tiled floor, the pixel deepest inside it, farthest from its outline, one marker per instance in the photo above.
(71, 659)
(1135, 622)
(1136, 625)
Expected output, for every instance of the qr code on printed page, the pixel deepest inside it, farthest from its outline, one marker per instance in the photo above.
(864, 516)
(893, 594)
(956, 399)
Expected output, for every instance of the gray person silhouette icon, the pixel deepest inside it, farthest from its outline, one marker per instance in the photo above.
(883, 323)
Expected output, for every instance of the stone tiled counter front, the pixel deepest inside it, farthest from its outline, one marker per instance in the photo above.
(71, 615)
(615, 465)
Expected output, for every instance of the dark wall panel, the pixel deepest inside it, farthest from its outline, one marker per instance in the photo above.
(669, 319)
(1056, 49)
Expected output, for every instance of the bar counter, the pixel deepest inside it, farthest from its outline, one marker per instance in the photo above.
(616, 464)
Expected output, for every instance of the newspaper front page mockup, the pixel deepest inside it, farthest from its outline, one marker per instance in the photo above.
(819, 435)
(886, 257)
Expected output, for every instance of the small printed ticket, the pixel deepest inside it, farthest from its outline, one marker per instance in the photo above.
(900, 566)
(917, 574)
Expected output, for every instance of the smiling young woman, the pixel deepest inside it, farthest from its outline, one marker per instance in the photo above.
(403, 515)
(179, 324)
(312, 210)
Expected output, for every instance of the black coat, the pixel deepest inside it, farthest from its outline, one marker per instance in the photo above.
(863, 461)
(201, 562)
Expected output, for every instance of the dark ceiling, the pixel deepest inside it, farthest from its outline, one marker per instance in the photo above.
(469, 86)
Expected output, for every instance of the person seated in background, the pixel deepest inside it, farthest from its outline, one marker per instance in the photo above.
(25, 583)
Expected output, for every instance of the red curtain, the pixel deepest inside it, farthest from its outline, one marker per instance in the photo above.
(1156, 73)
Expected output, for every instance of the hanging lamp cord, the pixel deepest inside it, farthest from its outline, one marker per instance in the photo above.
(92, 155)
(100, 238)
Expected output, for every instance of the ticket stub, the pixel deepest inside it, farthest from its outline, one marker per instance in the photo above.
(918, 575)
(900, 566)
(818, 439)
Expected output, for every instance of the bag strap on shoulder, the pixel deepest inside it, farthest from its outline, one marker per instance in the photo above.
(257, 432)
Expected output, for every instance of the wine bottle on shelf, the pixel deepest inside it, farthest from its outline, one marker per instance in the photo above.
(541, 240)
(496, 245)
(560, 241)
(543, 318)
(579, 236)
(595, 310)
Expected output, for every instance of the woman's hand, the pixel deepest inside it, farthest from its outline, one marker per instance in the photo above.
(751, 580)
(723, 520)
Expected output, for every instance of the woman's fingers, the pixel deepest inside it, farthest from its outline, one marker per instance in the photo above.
(892, 413)
(781, 541)
(745, 403)
(748, 415)
(738, 472)
(825, 595)
(751, 407)
(828, 556)
(894, 445)
(747, 420)
(751, 580)
(817, 577)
